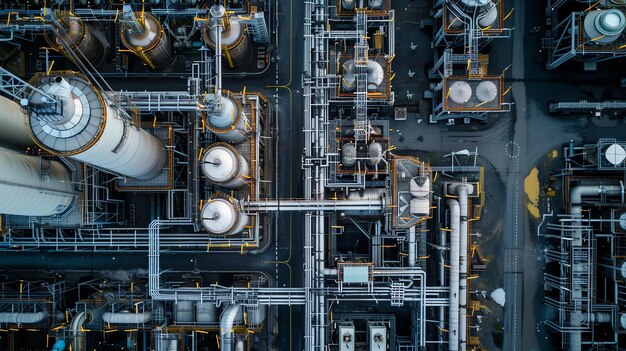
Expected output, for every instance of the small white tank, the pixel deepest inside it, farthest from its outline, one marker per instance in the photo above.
(604, 26)
(374, 154)
(486, 91)
(347, 4)
(348, 154)
(183, 312)
(228, 124)
(420, 206)
(420, 187)
(223, 165)
(223, 216)
(460, 92)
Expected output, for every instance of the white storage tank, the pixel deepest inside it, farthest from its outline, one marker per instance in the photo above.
(80, 38)
(255, 315)
(151, 44)
(224, 165)
(223, 216)
(183, 312)
(32, 186)
(604, 26)
(460, 92)
(91, 130)
(229, 123)
(486, 91)
(234, 38)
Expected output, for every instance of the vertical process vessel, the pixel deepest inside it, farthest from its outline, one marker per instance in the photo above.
(234, 38)
(78, 37)
(143, 34)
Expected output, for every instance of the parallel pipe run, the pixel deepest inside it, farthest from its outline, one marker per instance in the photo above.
(453, 310)
(576, 194)
(315, 205)
(412, 246)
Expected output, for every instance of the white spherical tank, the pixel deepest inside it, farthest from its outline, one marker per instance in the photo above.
(92, 131)
(152, 45)
(229, 123)
(14, 130)
(223, 216)
(486, 91)
(604, 26)
(31, 186)
(223, 165)
(374, 154)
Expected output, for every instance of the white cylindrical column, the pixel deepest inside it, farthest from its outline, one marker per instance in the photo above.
(14, 130)
(94, 132)
(223, 165)
(32, 186)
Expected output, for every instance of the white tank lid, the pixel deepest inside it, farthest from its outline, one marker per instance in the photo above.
(615, 154)
(486, 91)
(220, 164)
(460, 92)
(219, 216)
(475, 3)
(622, 320)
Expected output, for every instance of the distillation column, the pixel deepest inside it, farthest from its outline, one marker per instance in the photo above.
(84, 125)
(32, 186)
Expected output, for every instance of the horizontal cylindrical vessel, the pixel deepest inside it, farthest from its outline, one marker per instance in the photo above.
(14, 130)
(224, 216)
(229, 123)
(224, 165)
(152, 45)
(93, 131)
(32, 186)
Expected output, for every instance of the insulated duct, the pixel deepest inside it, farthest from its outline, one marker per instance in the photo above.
(226, 327)
(126, 317)
(22, 317)
(453, 311)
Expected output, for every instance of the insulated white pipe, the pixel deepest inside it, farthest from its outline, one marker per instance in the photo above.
(226, 327)
(78, 336)
(22, 317)
(116, 318)
(453, 310)
(576, 194)
(412, 246)
(462, 190)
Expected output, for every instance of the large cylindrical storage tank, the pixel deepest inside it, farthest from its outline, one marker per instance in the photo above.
(222, 164)
(153, 45)
(207, 313)
(229, 124)
(91, 130)
(183, 312)
(604, 26)
(14, 130)
(32, 186)
(255, 315)
(80, 38)
(223, 216)
(235, 42)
